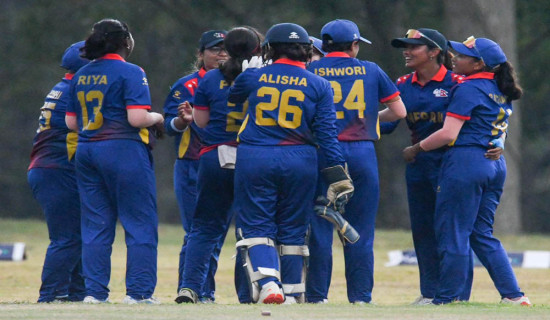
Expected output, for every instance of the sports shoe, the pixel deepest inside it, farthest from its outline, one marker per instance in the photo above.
(520, 301)
(290, 300)
(130, 300)
(186, 295)
(94, 300)
(421, 301)
(207, 300)
(271, 293)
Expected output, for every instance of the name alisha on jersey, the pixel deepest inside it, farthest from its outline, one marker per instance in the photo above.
(93, 79)
(296, 81)
(434, 117)
(340, 72)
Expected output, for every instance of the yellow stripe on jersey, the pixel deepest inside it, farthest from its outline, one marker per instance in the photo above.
(184, 143)
(245, 122)
(71, 140)
(144, 134)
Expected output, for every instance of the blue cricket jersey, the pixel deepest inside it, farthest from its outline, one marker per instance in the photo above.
(103, 90)
(54, 144)
(359, 87)
(187, 144)
(480, 103)
(287, 106)
(426, 104)
(225, 118)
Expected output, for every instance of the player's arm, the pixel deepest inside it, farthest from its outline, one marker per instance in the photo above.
(242, 86)
(395, 110)
(438, 139)
(70, 121)
(388, 127)
(142, 118)
(173, 122)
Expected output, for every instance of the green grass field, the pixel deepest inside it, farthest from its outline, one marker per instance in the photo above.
(395, 287)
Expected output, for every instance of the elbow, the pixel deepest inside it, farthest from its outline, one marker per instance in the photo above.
(201, 123)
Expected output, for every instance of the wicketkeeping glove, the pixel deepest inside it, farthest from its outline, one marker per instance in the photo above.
(254, 62)
(340, 188)
(346, 232)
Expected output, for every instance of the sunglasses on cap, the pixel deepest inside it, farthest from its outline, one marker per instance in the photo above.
(470, 43)
(415, 34)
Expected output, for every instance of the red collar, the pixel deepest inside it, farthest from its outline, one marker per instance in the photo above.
(291, 62)
(337, 54)
(113, 56)
(69, 76)
(481, 75)
(439, 76)
(202, 72)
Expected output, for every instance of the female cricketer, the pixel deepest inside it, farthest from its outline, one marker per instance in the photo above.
(52, 178)
(114, 163)
(211, 54)
(359, 87)
(470, 185)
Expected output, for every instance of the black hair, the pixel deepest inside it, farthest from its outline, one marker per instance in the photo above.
(507, 81)
(443, 57)
(329, 46)
(293, 51)
(241, 44)
(108, 36)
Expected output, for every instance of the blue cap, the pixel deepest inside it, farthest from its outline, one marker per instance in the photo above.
(211, 38)
(482, 48)
(286, 33)
(318, 44)
(429, 37)
(71, 58)
(341, 31)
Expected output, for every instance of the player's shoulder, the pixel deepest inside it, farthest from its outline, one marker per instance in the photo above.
(457, 78)
(403, 79)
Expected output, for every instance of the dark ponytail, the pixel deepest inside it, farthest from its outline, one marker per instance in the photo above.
(241, 44)
(108, 36)
(507, 81)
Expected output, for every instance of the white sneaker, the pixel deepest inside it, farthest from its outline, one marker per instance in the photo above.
(421, 301)
(290, 300)
(94, 300)
(521, 301)
(271, 293)
(130, 300)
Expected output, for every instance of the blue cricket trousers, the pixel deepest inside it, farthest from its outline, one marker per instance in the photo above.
(116, 180)
(470, 190)
(361, 214)
(57, 193)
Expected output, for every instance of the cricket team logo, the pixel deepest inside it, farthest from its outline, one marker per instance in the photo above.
(440, 93)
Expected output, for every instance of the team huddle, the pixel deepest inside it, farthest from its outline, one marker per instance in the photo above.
(276, 133)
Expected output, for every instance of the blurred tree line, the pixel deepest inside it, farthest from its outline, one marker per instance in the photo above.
(36, 32)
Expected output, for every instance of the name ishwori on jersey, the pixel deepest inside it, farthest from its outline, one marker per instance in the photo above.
(341, 72)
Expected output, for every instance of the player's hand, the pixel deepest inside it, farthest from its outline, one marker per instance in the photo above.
(410, 153)
(496, 149)
(254, 62)
(340, 188)
(185, 112)
(157, 130)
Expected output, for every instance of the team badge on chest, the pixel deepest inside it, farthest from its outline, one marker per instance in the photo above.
(440, 93)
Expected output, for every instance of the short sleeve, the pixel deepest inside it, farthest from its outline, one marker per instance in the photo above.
(136, 90)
